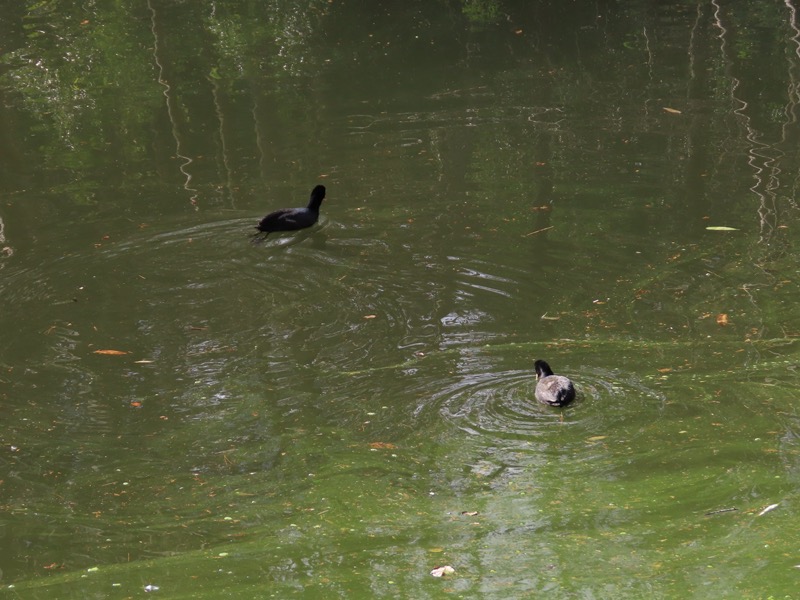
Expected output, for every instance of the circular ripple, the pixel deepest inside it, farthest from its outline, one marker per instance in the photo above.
(502, 404)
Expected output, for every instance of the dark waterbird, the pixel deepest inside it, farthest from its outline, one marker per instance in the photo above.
(555, 390)
(290, 219)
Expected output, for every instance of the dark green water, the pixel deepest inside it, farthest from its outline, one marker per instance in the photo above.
(336, 412)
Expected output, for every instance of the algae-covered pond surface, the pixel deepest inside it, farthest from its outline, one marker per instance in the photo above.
(338, 412)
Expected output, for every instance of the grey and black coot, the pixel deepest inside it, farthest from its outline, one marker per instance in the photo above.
(555, 390)
(290, 219)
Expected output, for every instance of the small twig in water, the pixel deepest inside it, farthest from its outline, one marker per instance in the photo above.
(538, 231)
(721, 510)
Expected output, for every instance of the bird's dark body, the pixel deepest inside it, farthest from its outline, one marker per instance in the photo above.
(291, 219)
(288, 219)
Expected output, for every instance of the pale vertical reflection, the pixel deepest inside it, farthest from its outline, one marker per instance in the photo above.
(793, 92)
(765, 167)
(223, 138)
(186, 161)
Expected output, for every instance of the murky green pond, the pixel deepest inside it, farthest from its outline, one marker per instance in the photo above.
(339, 411)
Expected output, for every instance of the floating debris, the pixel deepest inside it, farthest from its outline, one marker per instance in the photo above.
(767, 509)
(721, 510)
(442, 571)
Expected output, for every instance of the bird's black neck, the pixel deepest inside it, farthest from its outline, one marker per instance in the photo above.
(317, 196)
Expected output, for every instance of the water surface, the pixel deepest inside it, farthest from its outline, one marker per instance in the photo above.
(338, 411)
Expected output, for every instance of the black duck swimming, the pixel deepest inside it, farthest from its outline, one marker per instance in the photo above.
(290, 219)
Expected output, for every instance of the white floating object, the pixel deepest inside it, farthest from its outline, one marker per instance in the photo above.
(769, 508)
(442, 571)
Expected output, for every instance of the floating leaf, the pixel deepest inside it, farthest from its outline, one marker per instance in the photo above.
(722, 319)
(721, 228)
(672, 111)
(110, 352)
(442, 571)
(596, 438)
(470, 513)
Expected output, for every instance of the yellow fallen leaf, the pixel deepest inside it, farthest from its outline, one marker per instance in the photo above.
(110, 352)
(672, 111)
